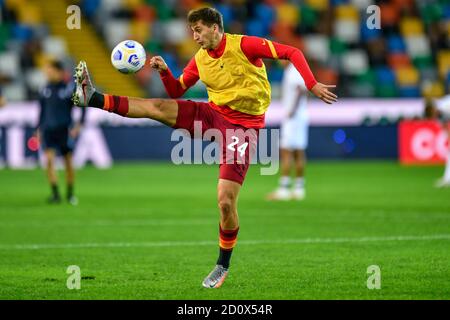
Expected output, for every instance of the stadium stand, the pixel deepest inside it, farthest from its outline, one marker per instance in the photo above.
(408, 57)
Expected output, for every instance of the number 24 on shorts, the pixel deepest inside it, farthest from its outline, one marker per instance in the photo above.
(241, 149)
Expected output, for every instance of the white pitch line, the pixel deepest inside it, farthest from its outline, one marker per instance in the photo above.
(208, 243)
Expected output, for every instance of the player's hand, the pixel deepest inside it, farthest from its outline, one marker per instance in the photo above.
(321, 91)
(75, 131)
(158, 64)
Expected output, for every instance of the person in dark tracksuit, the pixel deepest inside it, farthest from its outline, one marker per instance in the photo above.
(56, 129)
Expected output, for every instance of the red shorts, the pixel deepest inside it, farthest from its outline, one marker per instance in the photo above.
(238, 144)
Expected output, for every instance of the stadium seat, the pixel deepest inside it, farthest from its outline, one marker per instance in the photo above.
(432, 89)
(288, 13)
(397, 60)
(423, 62)
(108, 6)
(308, 16)
(431, 12)
(347, 31)
(9, 64)
(359, 90)
(355, 62)
(35, 79)
(347, 12)
(337, 46)
(409, 92)
(386, 90)
(21, 32)
(175, 31)
(411, 26)
(417, 46)
(396, 44)
(14, 91)
(90, 7)
(327, 75)
(390, 15)
(257, 28)
(227, 13)
(443, 58)
(385, 75)
(4, 35)
(116, 30)
(362, 5)
(407, 76)
(317, 46)
(29, 14)
(429, 74)
(145, 13)
(132, 4)
(318, 4)
(54, 46)
(139, 30)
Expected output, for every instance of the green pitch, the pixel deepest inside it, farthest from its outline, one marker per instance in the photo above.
(149, 231)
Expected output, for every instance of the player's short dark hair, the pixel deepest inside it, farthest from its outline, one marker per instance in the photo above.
(208, 16)
(429, 109)
(56, 64)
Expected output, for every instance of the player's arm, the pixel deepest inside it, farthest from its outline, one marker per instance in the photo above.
(299, 92)
(259, 48)
(75, 131)
(175, 88)
(37, 132)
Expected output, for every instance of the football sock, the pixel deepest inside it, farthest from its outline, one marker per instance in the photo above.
(285, 181)
(69, 190)
(224, 257)
(110, 103)
(447, 169)
(55, 191)
(227, 241)
(299, 183)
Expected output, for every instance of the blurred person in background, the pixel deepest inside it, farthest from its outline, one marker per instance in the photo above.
(294, 136)
(440, 110)
(2, 99)
(56, 129)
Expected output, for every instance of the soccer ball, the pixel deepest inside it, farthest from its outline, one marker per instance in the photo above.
(128, 56)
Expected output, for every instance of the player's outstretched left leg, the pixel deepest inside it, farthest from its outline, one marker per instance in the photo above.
(85, 95)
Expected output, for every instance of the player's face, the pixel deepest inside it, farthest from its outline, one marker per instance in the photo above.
(203, 34)
(52, 73)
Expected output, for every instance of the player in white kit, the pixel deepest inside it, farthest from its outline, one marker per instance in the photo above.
(294, 137)
(443, 105)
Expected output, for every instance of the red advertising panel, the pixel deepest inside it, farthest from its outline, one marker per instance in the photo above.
(422, 142)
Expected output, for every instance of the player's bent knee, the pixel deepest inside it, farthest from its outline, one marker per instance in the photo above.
(225, 207)
(226, 203)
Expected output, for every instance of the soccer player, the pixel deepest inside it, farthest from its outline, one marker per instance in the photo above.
(56, 129)
(2, 99)
(442, 108)
(232, 69)
(294, 136)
